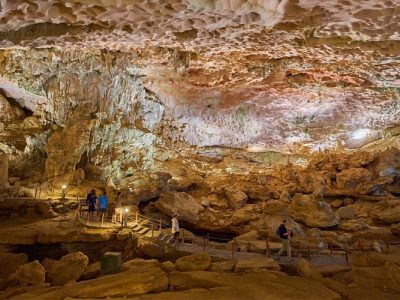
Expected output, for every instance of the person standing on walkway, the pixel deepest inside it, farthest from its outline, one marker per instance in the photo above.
(91, 202)
(175, 227)
(103, 201)
(284, 235)
(117, 215)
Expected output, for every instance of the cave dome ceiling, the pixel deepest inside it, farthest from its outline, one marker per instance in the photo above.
(258, 74)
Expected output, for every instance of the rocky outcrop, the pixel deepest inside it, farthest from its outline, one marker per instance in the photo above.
(9, 263)
(256, 263)
(150, 248)
(32, 273)
(387, 211)
(236, 198)
(194, 262)
(182, 203)
(312, 211)
(351, 178)
(305, 269)
(69, 268)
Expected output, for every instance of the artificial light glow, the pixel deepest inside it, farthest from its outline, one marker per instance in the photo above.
(126, 210)
(64, 187)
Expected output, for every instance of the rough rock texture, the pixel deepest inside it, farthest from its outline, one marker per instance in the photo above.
(182, 203)
(70, 267)
(194, 262)
(305, 269)
(256, 263)
(9, 263)
(32, 273)
(312, 211)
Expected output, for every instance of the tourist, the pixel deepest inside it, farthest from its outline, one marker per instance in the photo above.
(91, 202)
(175, 227)
(284, 235)
(103, 206)
(117, 215)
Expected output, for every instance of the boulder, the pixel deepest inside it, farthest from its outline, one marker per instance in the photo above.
(385, 277)
(139, 263)
(236, 198)
(184, 204)
(223, 266)
(32, 273)
(44, 210)
(69, 268)
(143, 279)
(346, 212)
(373, 259)
(386, 211)
(353, 225)
(336, 203)
(305, 269)
(348, 201)
(92, 271)
(9, 263)
(194, 262)
(256, 263)
(313, 212)
(150, 248)
(351, 178)
(395, 228)
(195, 279)
(167, 266)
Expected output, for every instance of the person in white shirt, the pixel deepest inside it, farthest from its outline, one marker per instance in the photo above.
(175, 227)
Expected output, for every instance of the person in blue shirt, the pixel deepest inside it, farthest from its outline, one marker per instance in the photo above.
(284, 234)
(103, 206)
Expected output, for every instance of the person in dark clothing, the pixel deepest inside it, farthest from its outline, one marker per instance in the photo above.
(284, 235)
(91, 202)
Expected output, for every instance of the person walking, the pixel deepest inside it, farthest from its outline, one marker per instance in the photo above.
(117, 215)
(284, 235)
(91, 203)
(103, 201)
(175, 227)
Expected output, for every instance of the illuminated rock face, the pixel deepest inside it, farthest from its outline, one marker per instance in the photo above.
(114, 84)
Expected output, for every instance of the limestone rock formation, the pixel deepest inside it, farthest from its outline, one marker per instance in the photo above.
(195, 262)
(312, 211)
(9, 263)
(69, 268)
(387, 211)
(256, 263)
(32, 273)
(185, 205)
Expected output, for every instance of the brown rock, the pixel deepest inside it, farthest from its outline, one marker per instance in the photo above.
(336, 203)
(70, 267)
(312, 212)
(32, 273)
(395, 228)
(182, 203)
(387, 211)
(9, 263)
(305, 269)
(346, 212)
(150, 248)
(223, 266)
(256, 263)
(236, 198)
(351, 178)
(194, 262)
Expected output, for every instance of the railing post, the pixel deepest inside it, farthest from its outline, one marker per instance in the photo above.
(35, 192)
(183, 236)
(346, 254)
(152, 228)
(136, 217)
(387, 246)
(233, 249)
(204, 244)
(330, 245)
(267, 247)
(160, 224)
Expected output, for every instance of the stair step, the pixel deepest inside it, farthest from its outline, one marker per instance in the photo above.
(143, 231)
(136, 229)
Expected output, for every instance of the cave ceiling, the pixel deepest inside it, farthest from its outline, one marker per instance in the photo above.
(259, 75)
